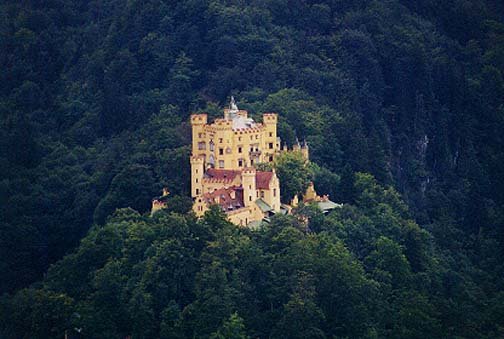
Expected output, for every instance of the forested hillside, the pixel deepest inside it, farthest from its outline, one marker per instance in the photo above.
(401, 102)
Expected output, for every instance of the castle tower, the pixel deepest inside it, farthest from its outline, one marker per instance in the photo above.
(159, 202)
(197, 171)
(198, 122)
(310, 194)
(296, 146)
(249, 186)
(305, 151)
(270, 143)
(275, 193)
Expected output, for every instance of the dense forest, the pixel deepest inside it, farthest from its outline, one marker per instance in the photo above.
(401, 102)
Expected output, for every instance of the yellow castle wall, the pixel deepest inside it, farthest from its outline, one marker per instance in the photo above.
(246, 215)
(272, 196)
(251, 145)
(197, 171)
(199, 207)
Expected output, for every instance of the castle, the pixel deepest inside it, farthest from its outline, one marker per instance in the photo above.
(222, 167)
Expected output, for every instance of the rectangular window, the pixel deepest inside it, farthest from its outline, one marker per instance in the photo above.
(221, 163)
(197, 191)
(239, 149)
(262, 194)
(257, 194)
(201, 145)
(240, 163)
(270, 158)
(257, 136)
(270, 145)
(270, 134)
(220, 140)
(251, 161)
(221, 151)
(196, 180)
(274, 192)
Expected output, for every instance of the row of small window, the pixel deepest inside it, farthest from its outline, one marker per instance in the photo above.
(262, 193)
(202, 147)
(221, 140)
(242, 163)
(250, 197)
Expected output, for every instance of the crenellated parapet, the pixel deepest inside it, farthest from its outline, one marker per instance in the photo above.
(302, 148)
(270, 118)
(199, 119)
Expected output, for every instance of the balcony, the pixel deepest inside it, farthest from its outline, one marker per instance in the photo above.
(255, 153)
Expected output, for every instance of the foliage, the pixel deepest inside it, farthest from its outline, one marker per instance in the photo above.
(294, 174)
(233, 328)
(366, 270)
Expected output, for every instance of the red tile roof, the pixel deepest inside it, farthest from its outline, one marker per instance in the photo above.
(263, 179)
(223, 197)
(222, 174)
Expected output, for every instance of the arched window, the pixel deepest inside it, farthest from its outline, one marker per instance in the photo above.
(212, 146)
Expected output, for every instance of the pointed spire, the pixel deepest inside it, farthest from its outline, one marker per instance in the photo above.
(297, 145)
(232, 104)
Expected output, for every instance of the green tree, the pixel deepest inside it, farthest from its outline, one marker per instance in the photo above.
(302, 318)
(389, 263)
(133, 187)
(181, 79)
(35, 313)
(232, 328)
(294, 174)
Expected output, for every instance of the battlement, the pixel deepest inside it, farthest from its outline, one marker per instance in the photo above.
(257, 129)
(303, 148)
(249, 171)
(222, 124)
(199, 119)
(270, 118)
(197, 159)
(157, 205)
(217, 180)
